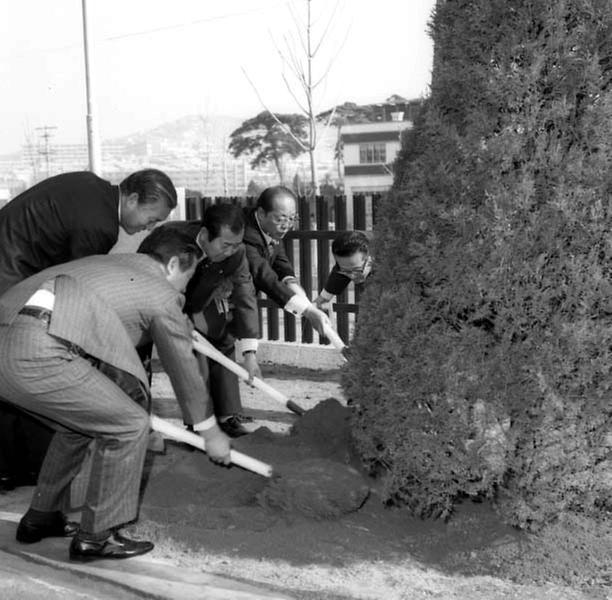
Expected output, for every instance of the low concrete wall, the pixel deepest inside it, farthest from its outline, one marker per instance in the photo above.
(293, 354)
(311, 356)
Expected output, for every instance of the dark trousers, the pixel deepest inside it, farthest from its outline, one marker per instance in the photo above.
(223, 384)
(23, 444)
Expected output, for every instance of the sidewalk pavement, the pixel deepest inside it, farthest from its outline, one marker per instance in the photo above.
(42, 571)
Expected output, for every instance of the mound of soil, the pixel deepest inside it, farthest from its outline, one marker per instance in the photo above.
(241, 524)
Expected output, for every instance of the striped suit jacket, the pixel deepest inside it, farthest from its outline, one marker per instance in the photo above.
(107, 305)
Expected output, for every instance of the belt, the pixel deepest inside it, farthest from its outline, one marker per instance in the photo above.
(44, 314)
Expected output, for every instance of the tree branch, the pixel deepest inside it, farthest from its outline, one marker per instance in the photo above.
(299, 27)
(282, 125)
(297, 100)
(332, 60)
(324, 34)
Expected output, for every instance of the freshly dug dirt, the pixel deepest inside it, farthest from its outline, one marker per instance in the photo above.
(317, 488)
(236, 523)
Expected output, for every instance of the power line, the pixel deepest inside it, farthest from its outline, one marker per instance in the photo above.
(140, 33)
(179, 25)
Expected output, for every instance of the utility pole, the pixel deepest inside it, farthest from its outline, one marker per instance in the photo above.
(93, 141)
(46, 134)
(224, 166)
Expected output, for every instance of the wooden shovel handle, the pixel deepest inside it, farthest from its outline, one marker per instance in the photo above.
(203, 346)
(197, 441)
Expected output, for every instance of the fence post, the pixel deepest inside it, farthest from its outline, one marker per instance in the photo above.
(288, 318)
(322, 214)
(305, 262)
(322, 260)
(340, 212)
(359, 212)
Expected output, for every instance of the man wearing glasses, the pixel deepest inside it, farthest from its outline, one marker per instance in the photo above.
(266, 225)
(353, 263)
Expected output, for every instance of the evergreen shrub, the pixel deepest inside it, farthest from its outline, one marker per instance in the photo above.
(481, 362)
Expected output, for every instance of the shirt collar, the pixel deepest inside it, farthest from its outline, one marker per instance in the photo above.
(270, 241)
(204, 257)
(119, 204)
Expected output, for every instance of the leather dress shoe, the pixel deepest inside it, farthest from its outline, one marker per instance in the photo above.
(30, 531)
(233, 427)
(7, 482)
(114, 546)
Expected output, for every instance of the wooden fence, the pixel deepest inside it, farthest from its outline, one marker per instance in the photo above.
(308, 247)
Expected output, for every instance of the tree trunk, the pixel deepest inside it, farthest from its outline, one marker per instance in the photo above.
(280, 169)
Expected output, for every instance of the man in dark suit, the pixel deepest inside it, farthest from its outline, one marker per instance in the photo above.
(272, 273)
(99, 308)
(60, 219)
(221, 301)
(353, 263)
(266, 225)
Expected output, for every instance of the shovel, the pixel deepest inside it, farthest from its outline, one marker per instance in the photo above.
(335, 340)
(203, 346)
(193, 439)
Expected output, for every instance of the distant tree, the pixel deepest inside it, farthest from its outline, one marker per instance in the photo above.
(254, 188)
(327, 188)
(351, 112)
(297, 185)
(269, 138)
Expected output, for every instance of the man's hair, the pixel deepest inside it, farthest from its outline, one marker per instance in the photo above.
(266, 198)
(151, 185)
(348, 243)
(165, 242)
(217, 216)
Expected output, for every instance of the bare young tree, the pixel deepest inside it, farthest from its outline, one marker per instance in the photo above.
(298, 54)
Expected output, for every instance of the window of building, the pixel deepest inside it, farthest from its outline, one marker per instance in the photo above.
(372, 153)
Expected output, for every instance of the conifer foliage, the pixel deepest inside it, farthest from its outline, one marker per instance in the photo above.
(481, 363)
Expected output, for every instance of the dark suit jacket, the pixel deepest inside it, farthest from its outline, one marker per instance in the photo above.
(229, 278)
(108, 305)
(268, 267)
(60, 219)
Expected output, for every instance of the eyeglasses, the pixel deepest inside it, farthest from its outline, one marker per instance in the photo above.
(284, 219)
(358, 273)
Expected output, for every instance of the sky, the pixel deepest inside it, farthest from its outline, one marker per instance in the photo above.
(153, 61)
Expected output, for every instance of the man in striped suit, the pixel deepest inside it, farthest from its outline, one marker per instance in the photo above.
(63, 218)
(53, 325)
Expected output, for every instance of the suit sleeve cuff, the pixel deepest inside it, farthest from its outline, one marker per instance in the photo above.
(326, 295)
(247, 345)
(290, 279)
(297, 304)
(206, 424)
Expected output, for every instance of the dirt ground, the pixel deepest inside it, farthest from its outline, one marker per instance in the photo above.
(217, 519)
